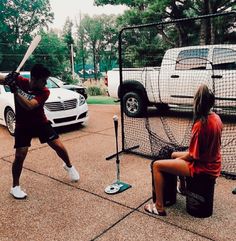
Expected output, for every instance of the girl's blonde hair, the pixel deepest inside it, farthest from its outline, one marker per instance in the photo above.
(204, 100)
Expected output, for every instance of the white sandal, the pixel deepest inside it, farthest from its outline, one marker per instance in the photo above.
(180, 191)
(151, 208)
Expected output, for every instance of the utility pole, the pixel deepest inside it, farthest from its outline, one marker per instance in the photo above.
(72, 61)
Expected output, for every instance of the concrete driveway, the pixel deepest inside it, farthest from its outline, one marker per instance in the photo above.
(59, 210)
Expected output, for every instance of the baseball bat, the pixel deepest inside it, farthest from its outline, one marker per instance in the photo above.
(29, 51)
(115, 119)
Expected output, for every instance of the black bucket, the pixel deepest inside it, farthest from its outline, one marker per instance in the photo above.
(169, 191)
(200, 195)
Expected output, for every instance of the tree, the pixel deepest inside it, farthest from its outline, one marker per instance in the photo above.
(22, 17)
(51, 52)
(129, 3)
(107, 55)
(95, 34)
(151, 42)
(82, 51)
(210, 27)
(19, 19)
(143, 11)
(68, 39)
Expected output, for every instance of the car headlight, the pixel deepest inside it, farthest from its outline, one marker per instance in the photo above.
(81, 100)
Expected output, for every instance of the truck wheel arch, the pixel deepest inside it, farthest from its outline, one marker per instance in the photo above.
(132, 86)
(133, 94)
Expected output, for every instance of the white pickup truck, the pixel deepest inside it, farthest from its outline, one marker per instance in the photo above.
(174, 83)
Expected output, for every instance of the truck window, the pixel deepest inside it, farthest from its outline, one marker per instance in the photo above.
(224, 59)
(192, 59)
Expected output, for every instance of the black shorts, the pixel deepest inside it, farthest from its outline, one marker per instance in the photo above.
(24, 135)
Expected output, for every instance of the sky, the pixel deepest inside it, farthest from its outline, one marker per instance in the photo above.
(72, 9)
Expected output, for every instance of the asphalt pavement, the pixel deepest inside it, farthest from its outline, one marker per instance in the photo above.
(59, 210)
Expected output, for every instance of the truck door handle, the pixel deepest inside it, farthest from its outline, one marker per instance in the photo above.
(174, 76)
(216, 76)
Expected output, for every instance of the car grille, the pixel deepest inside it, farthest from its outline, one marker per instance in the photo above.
(61, 105)
(83, 115)
(66, 119)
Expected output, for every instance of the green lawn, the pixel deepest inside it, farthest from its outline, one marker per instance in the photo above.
(105, 100)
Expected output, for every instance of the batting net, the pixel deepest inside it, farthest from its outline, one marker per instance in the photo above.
(154, 73)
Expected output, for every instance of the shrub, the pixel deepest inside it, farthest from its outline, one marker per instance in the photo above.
(94, 90)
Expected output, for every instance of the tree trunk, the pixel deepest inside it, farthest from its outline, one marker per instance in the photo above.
(83, 63)
(212, 30)
(177, 13)
(94, 62)
(203, 30)
(203, 27)
(180, 36)
(165, 38)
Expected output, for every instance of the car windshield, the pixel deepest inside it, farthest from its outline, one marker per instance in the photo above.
(57, 81)
(50, 83)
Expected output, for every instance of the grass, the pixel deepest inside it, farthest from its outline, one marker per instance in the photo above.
(100, 99)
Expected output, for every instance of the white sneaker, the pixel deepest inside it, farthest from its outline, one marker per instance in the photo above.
(17, 193)
(73, 174)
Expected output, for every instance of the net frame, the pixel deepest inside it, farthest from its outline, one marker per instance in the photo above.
(173, 144)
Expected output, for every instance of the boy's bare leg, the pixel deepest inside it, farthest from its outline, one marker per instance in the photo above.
(61, 151)
(63, 154)
(17, 165)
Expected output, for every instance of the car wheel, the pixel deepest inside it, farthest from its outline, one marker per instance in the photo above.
(10, 120)
(134, 104)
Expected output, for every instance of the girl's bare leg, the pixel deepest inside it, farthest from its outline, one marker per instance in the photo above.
(182, 182)
(178, 167)
(178, 154)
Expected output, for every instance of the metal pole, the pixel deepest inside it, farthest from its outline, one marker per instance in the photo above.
(121, 82)
(72, 61)
(115, 118)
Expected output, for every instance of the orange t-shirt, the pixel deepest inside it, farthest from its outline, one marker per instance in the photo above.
(205, 146)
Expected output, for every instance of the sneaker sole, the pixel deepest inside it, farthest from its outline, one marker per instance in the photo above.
(74, 180)
(18, 198)
(66, 168)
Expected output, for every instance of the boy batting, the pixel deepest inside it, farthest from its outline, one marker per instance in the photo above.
(30, 96)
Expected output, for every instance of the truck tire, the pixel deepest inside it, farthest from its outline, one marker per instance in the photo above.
(10, 120)
(134, 105)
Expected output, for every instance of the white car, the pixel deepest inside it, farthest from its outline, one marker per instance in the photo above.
(63, 107)
(79, 88)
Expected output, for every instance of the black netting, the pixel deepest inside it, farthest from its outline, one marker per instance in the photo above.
(165, 78)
